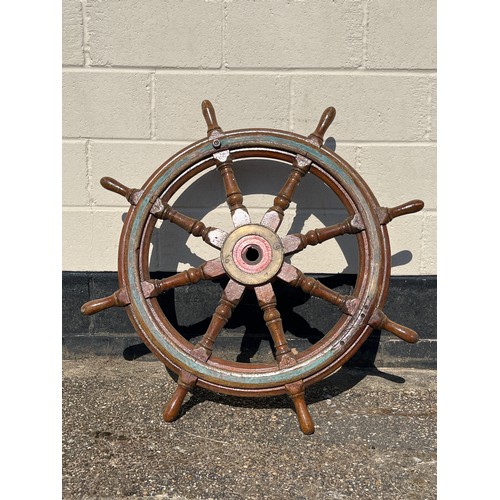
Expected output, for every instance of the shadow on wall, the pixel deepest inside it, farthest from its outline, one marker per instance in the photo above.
(312, 200)
(314, 205)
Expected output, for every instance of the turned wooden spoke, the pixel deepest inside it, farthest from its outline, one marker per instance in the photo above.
(132, 195)
(213, 128)
(294, 243)
(185, 383)
(119, 298)
(385, 214)
(267, 302)
(380, 320)
(207, 271)
(274, 216)
(234, 198)
(296, 391)
(294, 277)
(300, 166)
(324, 122)
(213, 236)
(230, 299)
(151, 288)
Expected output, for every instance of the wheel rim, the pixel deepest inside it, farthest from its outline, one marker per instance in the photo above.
(340, 343)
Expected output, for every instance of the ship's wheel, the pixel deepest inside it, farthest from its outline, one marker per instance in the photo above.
(253, 257)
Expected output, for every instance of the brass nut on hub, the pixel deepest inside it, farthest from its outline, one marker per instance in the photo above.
(252, 254)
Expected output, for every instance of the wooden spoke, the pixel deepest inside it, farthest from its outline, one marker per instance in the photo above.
(132, 195)
(230, 299)
(213, 236)
(213, 129)
(151, 288)
(385, 214)
(207, 271)
(296, 391)
(274, 216)
(234, 198)
(185, 383)
(380, 320)
(119, 298)
(294, 243)
(294, 277)
(300, 166)
(324, 122)
(267, 302)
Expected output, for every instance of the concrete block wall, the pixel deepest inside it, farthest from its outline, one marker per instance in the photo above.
(135, 73)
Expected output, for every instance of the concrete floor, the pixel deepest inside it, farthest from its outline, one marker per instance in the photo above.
(375, 437)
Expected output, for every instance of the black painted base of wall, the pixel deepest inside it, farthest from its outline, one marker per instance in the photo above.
(411, 301)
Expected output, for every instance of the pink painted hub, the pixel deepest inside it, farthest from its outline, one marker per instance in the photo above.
(252, 253)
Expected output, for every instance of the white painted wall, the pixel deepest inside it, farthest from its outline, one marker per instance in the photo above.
(135, 74)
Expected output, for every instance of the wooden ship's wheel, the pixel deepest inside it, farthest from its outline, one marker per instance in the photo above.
(253, 257)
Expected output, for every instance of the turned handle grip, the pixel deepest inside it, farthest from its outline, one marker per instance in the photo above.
(324, 122)
(117, 299)
(97, 305)
(209, 114)
(174, 405)
(117, 187)
(409, 207)
(185, 382)
(403, 332)
(296, 392)
(380, 320)
(304, 417)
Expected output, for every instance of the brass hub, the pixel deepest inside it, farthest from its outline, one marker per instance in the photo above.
(252, 254)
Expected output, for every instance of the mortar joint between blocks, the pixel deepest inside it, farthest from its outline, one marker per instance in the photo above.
(152, 90)
(364, 46)
(87, 58)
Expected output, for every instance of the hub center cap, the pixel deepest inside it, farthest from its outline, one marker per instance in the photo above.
(252, 254)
